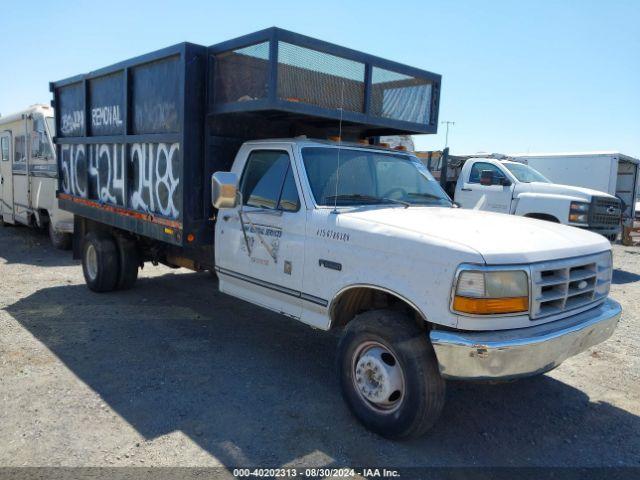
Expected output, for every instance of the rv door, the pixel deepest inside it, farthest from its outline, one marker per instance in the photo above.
(6, 178)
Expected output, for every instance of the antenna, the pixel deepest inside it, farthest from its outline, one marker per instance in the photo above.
(335, 197)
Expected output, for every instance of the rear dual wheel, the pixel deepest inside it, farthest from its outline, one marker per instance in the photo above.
(108, 264)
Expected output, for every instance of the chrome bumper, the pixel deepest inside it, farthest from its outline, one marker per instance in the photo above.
(64, 227)
(508, 354)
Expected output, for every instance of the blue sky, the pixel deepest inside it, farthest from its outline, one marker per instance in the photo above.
(518, 76)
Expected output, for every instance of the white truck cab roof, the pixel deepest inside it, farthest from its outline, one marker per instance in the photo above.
(304, 141)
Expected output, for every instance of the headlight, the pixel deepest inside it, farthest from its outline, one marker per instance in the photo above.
(491, 292)
(579, 212)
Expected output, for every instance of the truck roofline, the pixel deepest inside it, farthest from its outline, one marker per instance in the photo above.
(36, 108)
(300, 141)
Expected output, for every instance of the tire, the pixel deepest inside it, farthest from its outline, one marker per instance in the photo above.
(415, 403)
(60, 240)
(129, 261)
(100, 262)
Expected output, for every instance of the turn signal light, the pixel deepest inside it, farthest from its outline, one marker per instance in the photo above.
(578, 217)
(487, 306)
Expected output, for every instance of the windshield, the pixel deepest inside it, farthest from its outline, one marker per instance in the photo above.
(369, 177)
(525, 173)
(51, 123)
(40, 144)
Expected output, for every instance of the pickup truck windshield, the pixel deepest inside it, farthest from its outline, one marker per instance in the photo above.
(370, 177)
(525, 173)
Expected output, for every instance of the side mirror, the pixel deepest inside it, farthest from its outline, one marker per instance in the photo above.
(224, 190)
(486, 177)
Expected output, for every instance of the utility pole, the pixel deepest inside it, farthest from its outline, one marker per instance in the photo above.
(446, 138)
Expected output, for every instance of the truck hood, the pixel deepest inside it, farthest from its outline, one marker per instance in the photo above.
(498, 238)
(559, 189)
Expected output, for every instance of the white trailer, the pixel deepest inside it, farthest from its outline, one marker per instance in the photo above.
(610, 172)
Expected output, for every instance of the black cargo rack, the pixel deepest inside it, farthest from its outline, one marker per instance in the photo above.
(276, 73)
(138, 141)
(129, 143)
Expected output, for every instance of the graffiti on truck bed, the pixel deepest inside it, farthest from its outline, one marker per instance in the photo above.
(97, 172)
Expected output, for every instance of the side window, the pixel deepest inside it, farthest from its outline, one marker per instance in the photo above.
(19, 149)
(4, 149)
(478, 167)
(267, 181)
(289, 199)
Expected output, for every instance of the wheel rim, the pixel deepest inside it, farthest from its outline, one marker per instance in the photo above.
(378, 377)
(91, 261)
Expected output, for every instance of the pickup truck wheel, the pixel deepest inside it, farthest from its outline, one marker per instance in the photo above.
(100, 262)
(389, 374)
(129, 263)
(60, 240)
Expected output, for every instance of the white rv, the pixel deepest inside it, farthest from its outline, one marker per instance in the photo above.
(28, 174)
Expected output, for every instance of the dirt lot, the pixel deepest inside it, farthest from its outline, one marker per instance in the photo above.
(174, 373)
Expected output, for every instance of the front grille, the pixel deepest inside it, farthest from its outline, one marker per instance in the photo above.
(604, 212)
(563, 285)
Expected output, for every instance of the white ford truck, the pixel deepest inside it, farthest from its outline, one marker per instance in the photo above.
(339, 235)
(425, 290)
(504, 186)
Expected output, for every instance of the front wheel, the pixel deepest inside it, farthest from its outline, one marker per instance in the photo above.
(389, 374)
(60, 240)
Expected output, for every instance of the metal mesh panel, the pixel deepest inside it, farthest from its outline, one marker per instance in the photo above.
(320, 79)
(400, 97)
(242, 75)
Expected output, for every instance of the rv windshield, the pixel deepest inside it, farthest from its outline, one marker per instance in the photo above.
(40, 142)
(51, 123)
(526, 174)
(369, 177)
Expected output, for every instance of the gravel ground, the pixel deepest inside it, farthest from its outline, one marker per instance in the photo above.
(173, 373)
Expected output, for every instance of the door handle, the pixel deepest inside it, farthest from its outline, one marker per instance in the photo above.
(226, 217)
(466, 190)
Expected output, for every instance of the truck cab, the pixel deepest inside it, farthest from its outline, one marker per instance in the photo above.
(517, 189)
(364, 238)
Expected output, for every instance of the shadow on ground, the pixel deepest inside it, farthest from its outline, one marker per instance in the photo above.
(254, 388)
(621, 277)
(36, 247)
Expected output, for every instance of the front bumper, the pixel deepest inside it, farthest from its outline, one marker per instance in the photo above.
(509, 354)
(64, 227)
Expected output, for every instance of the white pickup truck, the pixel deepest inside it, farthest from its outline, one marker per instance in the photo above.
(514, 188)
(364, 238)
